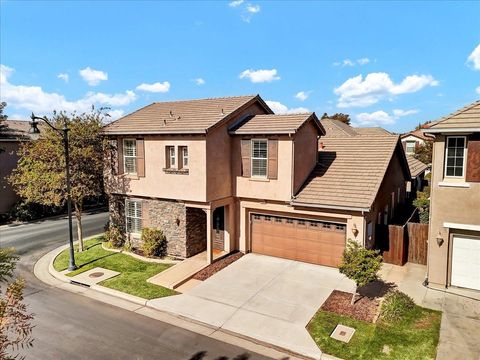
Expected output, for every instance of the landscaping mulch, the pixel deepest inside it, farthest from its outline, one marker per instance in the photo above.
(364, 309)
(211, 269)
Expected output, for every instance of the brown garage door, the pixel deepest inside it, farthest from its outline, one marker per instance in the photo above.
(315, 242)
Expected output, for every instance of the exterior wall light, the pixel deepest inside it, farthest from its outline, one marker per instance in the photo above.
(440, 240)
(354, 230)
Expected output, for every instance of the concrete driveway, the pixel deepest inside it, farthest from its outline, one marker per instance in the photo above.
(261, 297)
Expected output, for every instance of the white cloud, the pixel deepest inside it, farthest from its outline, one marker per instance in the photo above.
(157, 87)
(363, 61)
(253, 9)
(302, 95)
(474, 58)
(478, 90)
(63, 76)
(34, 98)
(380, 117)
(361, 92)
(235, 3)
(93, 77)
(199, 81)
(348, 62)
(279, 108)
(260, 76)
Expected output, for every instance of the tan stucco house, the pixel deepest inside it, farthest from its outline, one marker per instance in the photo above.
(454, 232)
(226, 173)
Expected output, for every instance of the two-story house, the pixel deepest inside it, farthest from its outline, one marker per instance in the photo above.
(454, 232)
(226, 173)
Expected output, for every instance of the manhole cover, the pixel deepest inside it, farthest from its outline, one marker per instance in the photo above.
(96, 274)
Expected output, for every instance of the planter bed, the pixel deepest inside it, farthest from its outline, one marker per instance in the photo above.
(211, 269)
(364, 309)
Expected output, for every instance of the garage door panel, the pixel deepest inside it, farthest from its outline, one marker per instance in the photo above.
(466, 262)
(297, 239)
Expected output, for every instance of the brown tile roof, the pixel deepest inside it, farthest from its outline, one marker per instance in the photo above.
(335, 128)
(466, 117)
(274, 124)
(372, 131)
(18, 129)
(419, 134)
(350, 171)
(180, 117)
(416, 166)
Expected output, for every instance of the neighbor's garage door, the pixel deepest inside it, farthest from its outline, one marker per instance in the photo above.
(305, 240)
(466, 262)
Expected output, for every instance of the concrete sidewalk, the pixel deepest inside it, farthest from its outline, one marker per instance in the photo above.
(43, 269)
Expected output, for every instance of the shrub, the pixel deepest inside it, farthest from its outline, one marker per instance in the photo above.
(114, 237)
(154, 242)
(26, 211)
(395, 306)
(422, 203)
(360, 264)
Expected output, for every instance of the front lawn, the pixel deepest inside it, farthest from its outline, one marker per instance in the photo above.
(133, 272)
(415, 337)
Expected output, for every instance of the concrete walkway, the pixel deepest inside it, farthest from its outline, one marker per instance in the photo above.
(263, 298)
(460, 328)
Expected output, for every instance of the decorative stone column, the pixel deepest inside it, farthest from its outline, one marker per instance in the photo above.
(209, 236)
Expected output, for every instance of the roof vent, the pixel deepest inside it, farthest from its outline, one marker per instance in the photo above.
(164, 122)
(222, 112)
(171, 113)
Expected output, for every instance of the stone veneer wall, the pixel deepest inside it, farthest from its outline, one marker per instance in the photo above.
(170, 217)
(184, 228)
(196, 231)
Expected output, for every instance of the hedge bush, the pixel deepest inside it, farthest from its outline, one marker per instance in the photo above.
(395, 306)
(154, 242)
(114, 237)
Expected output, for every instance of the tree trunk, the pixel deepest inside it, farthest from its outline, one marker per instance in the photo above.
(78, 216)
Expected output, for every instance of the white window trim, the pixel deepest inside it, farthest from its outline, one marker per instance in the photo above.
(406, 146)
(125, 156)
(184, 147)
(251, 160)
(126, 215)
(464, 167)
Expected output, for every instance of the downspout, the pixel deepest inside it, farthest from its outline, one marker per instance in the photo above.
(425, 281)
(292, 177)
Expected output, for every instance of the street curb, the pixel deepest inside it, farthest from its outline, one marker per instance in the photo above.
(45, 272)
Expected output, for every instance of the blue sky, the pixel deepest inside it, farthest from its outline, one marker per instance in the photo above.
(392, 64)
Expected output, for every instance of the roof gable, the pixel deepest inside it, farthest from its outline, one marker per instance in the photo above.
(274, 124)
(467, 117)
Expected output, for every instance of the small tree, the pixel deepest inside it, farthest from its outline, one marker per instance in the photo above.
(422, 203)
(40, 173)
(15, 321)
(360, 265)
(338, 116)
(423, 152)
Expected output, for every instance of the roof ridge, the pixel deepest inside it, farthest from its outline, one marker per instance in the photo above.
(457, 112)
(209, 98)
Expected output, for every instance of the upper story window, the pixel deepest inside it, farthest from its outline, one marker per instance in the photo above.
(171, 158)
(259, 157)
(455, 156)
(130, 156)
(410, 147)
(183, 150)
(133, 214)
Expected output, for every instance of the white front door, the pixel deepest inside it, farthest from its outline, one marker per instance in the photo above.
(466, 262)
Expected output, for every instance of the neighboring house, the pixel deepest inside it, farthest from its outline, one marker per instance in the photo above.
(417, 171)
(226, 173)
(413, 139)
(10, 141)
(454, 231)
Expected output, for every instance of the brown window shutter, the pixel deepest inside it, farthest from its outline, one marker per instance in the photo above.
(272, 159)
(180, 157)
(140, 157)
(246, 155)
(473, 159)
(417, 144)
(145, 215)
(404, 145)
(120, 156)
(167, 157)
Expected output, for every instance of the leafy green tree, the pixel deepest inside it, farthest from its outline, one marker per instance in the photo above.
(338, 116)
(422, 203)
(423, 152)
(15, 320)
(360, 265)
(40, 173)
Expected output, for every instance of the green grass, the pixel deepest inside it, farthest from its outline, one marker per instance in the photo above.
(133, 272)
(415, 337)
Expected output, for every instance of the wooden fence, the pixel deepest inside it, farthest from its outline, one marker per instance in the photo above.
(400, 244)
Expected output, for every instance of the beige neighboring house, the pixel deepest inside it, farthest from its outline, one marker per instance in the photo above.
(413, 139)
(227, 174)
(454, 232)
(10, 141)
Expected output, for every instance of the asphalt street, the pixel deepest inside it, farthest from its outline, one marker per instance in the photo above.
(70, 326)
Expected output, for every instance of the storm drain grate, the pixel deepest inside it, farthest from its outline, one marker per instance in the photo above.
(342, 333)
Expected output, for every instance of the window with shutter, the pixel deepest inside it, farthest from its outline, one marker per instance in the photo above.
(130, 156)
(473, 158)
(133, 215)
(455, 156)
(259, 158)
